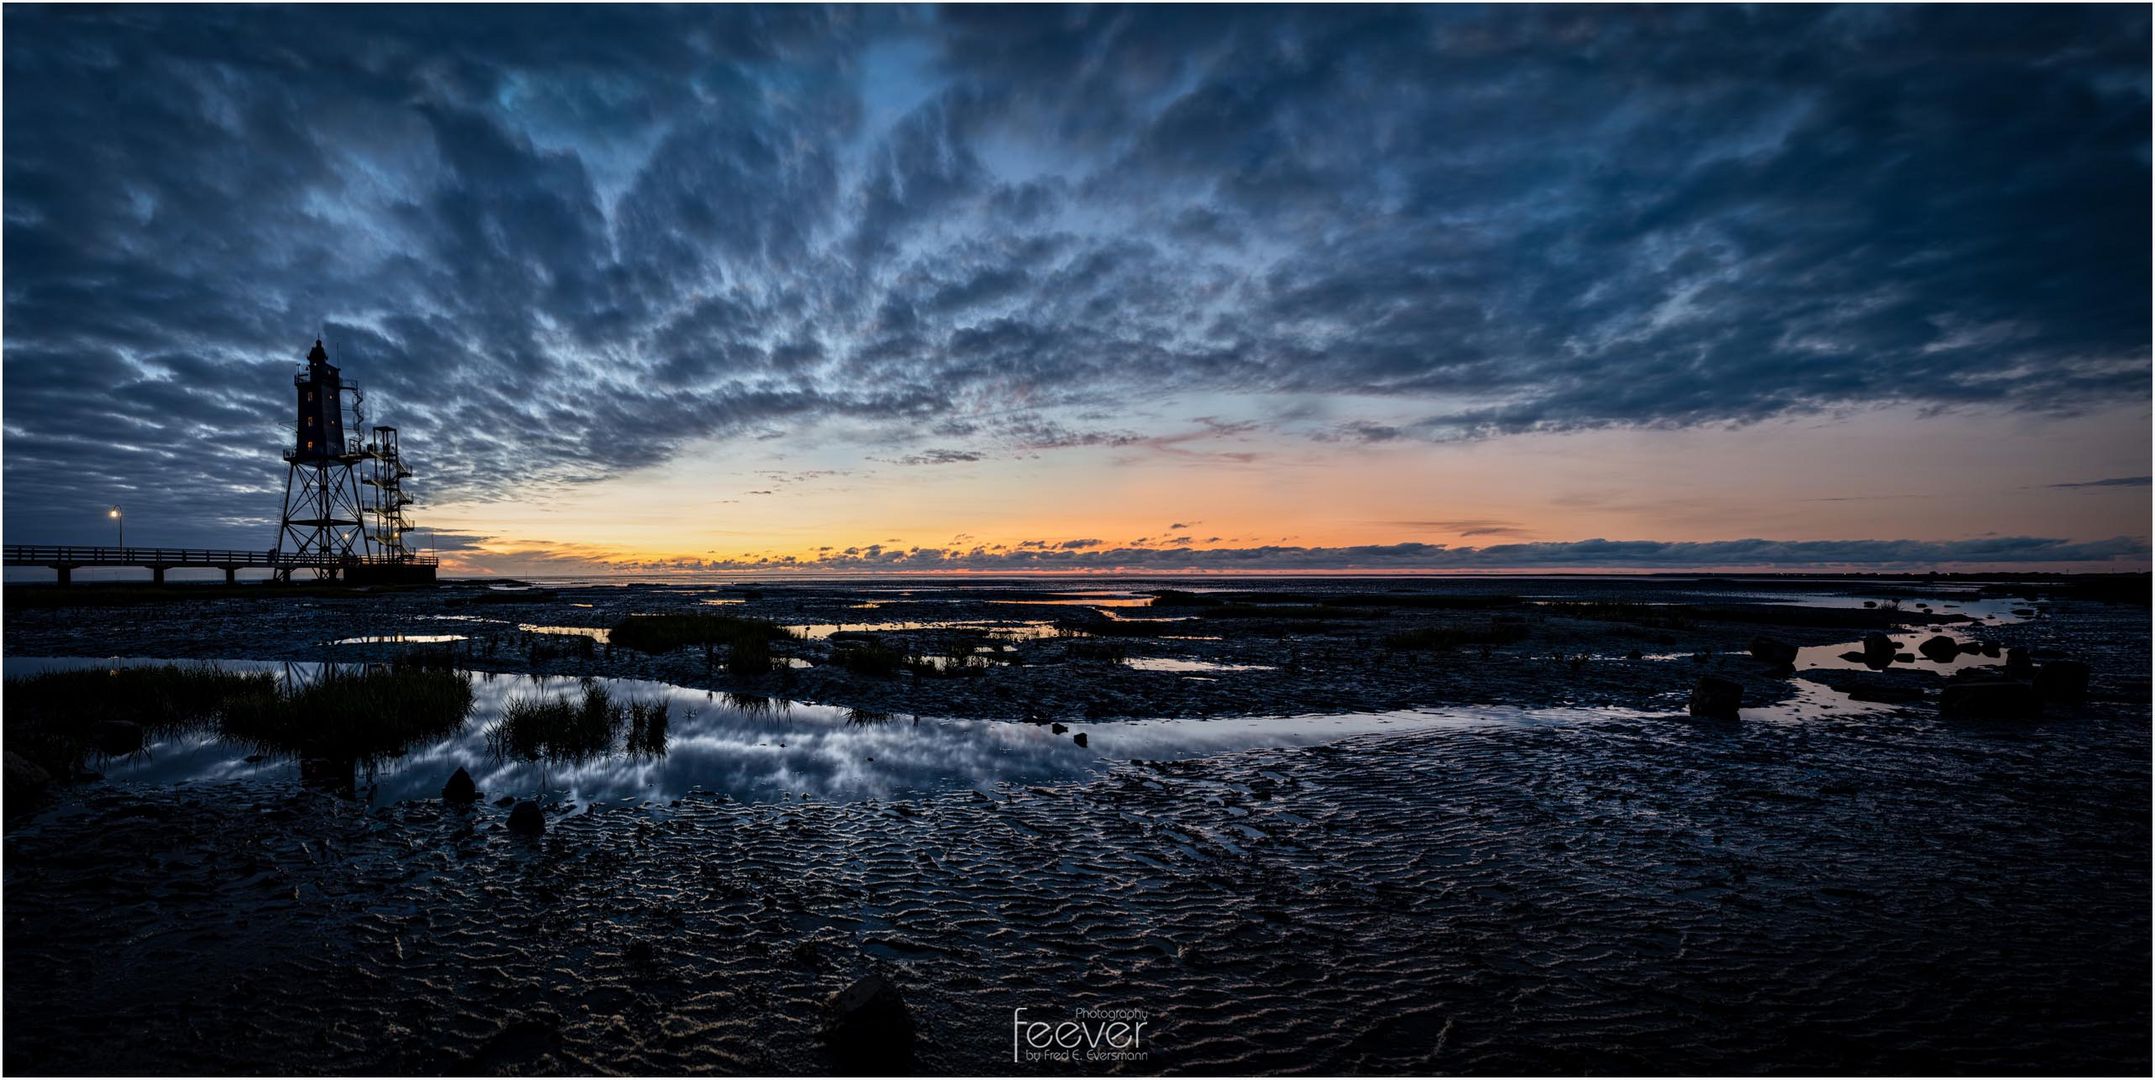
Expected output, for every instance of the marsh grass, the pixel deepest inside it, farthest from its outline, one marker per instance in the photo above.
(53, 717)
(565, 729)
(362, 714)
(545, 647)
(872, 658)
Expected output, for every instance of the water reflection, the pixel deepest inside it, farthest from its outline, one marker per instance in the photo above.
(763, 749)
(1009, 631)
(1849, 656)
(1171, 663)
(399, 639)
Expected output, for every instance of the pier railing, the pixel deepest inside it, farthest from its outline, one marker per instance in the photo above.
(67, 558)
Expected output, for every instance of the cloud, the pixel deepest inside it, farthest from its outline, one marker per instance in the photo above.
(941, 457)
(1467, 526)
(2115, 481)
(558, 245)
(1084, 556)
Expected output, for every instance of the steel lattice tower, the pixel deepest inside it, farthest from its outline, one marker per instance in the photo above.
(323, 509)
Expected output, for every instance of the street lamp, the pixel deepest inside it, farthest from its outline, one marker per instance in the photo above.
(120, 520)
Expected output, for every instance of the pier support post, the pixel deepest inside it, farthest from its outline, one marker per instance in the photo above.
(67, 574)
(157, 575)
(231, 575)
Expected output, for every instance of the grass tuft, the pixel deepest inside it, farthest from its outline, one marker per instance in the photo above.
(361, 714)
(567, 729)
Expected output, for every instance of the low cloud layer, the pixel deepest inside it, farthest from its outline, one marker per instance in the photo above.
(1088, 556)
(559, 243)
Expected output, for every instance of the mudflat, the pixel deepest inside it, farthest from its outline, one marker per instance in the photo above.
(1349, 826)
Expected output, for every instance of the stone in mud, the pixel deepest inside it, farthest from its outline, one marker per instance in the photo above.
(1078, 738)
(1987, 700)
(2064, 681)
(869, 1029)
(1878, 649)
(1940, 649)
(116, 737)
(459, 789)
(2018, 664)
(1057, 729)
(26, 782)
(1779, 654)
(1716, 698)
(526, 820)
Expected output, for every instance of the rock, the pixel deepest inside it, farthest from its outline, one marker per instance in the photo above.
(116, 738)
(1971, 648)
(1853, 657)
(2064, 681)
(1905, 658)
(640, 953)
(26, 782)
(1990, 649)
(1635, 654)
(1940, 649)
(2018, 664)
(2025, 613)
(869, 1029)
(1986, 700)
(1779, 654)
(1878, 649)
(459, 789)
(1716, 698)
(1078, 738)
(526, 820)
(1057, 729)
(506, 800)
(1870, 603)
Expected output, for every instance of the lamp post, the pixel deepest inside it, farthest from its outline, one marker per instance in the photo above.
(120, 520)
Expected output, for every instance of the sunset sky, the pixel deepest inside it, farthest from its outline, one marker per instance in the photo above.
(882, 289)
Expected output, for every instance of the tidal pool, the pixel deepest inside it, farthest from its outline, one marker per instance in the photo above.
(755, 749)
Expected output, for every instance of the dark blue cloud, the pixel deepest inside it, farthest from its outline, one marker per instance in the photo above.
(1088, 556)
(561, 242)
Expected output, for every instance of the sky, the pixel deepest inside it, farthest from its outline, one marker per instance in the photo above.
(1086, 289)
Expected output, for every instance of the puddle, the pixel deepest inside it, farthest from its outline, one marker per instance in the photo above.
(1838, 657)
(767, 749)
(1997, 610)
(1104, 600)
(399, 639)
(596, 633)
(1010, 631)
(1169, 663)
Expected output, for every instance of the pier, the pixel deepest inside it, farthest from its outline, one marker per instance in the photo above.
(353, 570)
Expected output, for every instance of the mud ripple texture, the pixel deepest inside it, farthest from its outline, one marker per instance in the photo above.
(1859, 894)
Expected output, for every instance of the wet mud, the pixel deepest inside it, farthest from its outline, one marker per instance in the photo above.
(1824, 886)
